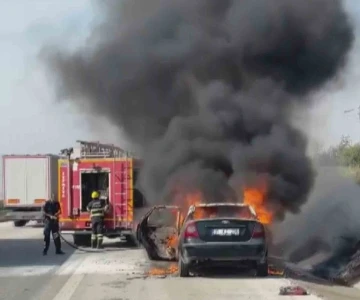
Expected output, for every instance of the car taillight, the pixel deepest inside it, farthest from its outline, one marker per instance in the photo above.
(191, 231)
(258, 231)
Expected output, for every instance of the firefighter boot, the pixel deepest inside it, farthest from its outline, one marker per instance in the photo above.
(46, 239)
(93, 241)
(100, 242)
(57, 243)
(46, 247)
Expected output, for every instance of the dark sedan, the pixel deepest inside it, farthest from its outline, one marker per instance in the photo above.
(222, 234)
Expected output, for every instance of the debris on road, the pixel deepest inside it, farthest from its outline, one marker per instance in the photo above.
(343, 267)
(293, 291)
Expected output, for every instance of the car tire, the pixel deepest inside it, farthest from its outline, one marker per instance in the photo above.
(262, 270)
(183, 269)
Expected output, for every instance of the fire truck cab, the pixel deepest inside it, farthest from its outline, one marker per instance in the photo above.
(107, 169)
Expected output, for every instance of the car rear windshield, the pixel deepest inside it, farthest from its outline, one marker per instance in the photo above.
(209, 212)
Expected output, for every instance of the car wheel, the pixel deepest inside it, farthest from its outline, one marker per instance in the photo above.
(183, 269)
(262, 270)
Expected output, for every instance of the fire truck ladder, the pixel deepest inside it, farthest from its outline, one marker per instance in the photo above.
(100, 150)
(122, 178)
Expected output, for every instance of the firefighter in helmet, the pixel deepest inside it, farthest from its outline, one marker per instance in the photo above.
(51, 211)
(97, 208)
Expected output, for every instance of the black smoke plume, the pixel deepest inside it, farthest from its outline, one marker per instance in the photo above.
(207, 89)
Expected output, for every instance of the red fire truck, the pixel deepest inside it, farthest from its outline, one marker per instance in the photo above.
(107, 169)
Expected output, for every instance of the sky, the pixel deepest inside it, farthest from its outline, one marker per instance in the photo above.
(31, 121)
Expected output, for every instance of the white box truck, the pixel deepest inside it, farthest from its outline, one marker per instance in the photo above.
(28, 181)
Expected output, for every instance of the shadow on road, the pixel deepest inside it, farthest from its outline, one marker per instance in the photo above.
(28, 252)
(227, 273)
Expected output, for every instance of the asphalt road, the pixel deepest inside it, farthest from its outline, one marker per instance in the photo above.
(120, 274)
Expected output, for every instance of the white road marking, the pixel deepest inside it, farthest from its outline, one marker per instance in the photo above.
(69, 287)
(71, 264)
(66, 270)
(81, 265)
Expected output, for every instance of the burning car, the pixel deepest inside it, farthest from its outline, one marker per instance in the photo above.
(222, 234)
(210, 234)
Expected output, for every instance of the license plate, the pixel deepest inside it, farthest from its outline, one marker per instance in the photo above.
(226, 232)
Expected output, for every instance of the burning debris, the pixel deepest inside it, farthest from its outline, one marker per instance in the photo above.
(207, 89)
(276, 271)
(164, 271)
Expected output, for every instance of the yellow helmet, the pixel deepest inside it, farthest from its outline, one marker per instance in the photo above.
(95, 195)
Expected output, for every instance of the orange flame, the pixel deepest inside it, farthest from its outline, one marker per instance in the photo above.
(184, 201)
(172, 269)
(276, 271)
(172, 241)
(193, 199)
(256, 197)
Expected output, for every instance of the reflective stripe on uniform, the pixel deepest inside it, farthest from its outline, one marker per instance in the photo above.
(97, 212)
(100, 236)
(93, 236)
(97, 215)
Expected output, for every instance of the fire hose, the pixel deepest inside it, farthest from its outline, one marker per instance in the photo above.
(72, 245)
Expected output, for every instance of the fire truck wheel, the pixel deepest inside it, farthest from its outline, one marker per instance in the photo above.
(82, 240)
(131, 241)
(20, 223)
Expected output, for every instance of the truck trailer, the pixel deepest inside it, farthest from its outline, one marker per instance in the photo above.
(105, 168)
(28, 181)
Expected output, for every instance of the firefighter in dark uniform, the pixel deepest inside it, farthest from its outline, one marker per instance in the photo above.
(97, 208)
(51, 211)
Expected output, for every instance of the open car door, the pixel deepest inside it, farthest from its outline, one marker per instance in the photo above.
(158, 231)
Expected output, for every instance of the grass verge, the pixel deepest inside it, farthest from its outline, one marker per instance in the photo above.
(353, 172)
